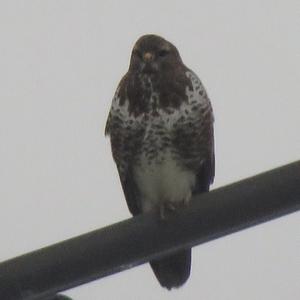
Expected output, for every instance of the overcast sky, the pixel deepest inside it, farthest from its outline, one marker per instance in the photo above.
(60, 63)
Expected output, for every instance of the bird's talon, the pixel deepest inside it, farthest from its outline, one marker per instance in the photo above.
(170, 206)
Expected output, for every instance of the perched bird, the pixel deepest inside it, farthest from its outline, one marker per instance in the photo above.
(161, 131)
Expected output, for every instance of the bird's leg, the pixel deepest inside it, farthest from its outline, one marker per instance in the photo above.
(186, 200)
(165, 208)
(170, 206)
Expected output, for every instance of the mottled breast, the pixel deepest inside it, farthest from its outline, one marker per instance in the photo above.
(166, 163)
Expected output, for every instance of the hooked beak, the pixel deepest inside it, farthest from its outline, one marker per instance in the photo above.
(150, 66)
(148, 57)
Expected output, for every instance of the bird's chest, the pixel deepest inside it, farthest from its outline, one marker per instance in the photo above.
(159, 170)
(157, 145)
(162, 179)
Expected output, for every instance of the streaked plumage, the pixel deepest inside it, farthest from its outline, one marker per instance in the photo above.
(161, 130)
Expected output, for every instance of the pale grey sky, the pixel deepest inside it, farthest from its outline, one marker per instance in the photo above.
(60, 62)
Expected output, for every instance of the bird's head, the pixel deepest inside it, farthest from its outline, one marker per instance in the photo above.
(152, 54)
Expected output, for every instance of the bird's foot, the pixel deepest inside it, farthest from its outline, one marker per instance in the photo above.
(186, 201)
(166, 209)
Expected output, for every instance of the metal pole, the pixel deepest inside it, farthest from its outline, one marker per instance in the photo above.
(57, 297)
(45, 272)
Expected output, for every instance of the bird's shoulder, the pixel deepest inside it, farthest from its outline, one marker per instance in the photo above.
(119, 115)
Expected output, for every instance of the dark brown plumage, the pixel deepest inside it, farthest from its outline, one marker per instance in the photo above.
(161, 130)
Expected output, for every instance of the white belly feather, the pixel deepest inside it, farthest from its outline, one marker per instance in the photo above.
(164, 181)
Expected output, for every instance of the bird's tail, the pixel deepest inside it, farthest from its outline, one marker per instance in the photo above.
(174, 270)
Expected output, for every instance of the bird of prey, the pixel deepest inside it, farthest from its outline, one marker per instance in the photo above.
(161, 131)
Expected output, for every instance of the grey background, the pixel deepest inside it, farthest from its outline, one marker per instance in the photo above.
(60, 62)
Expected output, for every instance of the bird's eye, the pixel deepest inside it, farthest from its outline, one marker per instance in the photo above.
(163, 53)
